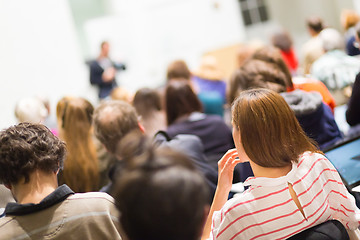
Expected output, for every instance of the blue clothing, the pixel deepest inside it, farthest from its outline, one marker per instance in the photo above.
(315, 117)
(215, 135)
(212, 94)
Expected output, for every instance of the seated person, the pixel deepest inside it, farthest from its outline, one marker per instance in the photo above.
(160, 194)
(31, 157)
(295, 187)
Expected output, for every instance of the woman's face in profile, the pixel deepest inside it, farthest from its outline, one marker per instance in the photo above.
(238, 144)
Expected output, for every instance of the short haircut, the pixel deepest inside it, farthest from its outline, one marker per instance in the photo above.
(178, 69)
(256, 74)
(270, 133)
(160, 194)
(273, 55)
(114, 119)
(315, 23)
(146, 101)
(282, 40)
(27, 147)
(180, 100)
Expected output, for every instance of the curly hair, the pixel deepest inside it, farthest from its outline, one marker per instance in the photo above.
(27, 147)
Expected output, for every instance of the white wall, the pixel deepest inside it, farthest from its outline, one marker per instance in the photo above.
(147, 35)
(39, 54)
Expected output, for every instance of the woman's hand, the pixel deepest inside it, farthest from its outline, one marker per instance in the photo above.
(226, 167)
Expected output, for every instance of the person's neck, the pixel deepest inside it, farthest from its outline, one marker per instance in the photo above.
(270, 172)
(40, 185)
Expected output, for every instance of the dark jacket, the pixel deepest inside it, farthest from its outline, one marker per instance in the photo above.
(314, 116)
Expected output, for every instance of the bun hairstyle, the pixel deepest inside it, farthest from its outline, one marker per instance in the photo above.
(160, 194)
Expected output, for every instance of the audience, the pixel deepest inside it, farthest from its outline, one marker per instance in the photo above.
(170, 155)
(335, 68)
(160, 194)
(295, 187)
(81, 167)
(315, 117)
(30, 159)
(113, 120)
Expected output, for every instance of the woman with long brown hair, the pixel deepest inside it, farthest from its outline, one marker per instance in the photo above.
(295, 186)
(81, 168)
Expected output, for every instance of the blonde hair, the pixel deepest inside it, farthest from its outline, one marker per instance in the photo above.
(81, 170)
(349, 18)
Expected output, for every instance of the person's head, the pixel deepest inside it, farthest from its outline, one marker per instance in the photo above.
(74, 116)
(315, 25)
(112, 121)
(180, 100)
(31, 110)
(146, 101)
(26, 148)
(178, 69)
(120, 93)
(282, 40)
(349, 18)
(160, 194)
(266, 130)
(209, 69)
(256, 74)
(104, 48)
(272, 55)
(331, 39)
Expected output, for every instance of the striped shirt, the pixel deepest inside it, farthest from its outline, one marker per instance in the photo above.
(267, 211)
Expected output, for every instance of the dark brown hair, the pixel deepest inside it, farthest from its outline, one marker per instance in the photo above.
(282, 40)
(256, 74)
(114, 119)
(178, 69)
(269, 131)
(272, 55)
(27, 147)
(180, 100)
(160, 194)
(315, 23)
(81, 168)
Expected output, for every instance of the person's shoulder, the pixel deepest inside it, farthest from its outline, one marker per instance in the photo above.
(92, 198)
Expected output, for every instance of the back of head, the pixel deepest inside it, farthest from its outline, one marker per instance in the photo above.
(282, 40)
(180, 100)
(272, 55)
(160, 195)
(269, 131)
(30, 110)
(120, 93)
(27, 147)
(315, 24)
(331, 39)
(178, 69)
(256, 74)
(209, 69)
(74, 116)
(81, 170)
(112, 121)
(349, 18)
(146, 101)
